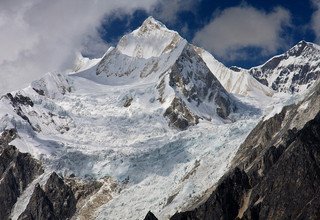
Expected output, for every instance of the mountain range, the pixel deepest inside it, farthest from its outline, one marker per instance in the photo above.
(159, 129)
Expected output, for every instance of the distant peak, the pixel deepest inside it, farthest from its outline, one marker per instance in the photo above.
(302, 42)
(300, 47)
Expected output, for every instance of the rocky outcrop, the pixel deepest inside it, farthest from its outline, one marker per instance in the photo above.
(179, 115)
(280, 170)
(17, 170)
(7, 136)
(196, 88)
(289, 182)
(17, 102)
(52, 85)
(224, 202)
(39, 206)
(150, 216)
(55, 200)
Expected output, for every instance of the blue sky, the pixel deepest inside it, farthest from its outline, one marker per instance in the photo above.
(191, 20)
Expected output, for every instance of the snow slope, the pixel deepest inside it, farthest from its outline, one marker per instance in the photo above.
(240, 82)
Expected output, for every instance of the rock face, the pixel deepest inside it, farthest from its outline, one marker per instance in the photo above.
(225, 202)
(54, 201)
(292, 72)
(18, 101)
(277, 170)
(150, 216)
(39, 206)
(195, 87)
(52, 85)
(17, 170)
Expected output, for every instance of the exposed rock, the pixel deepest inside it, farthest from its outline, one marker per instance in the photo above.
(127, 102)
(289, 186)
(179, 115)
(195, 85)
(17, 102)
(39, 207)
(54, 201)
(150, 216)
(7, 136)
(91, 195)
(17, 170)
(19, 99)
(61, 196)
(224, 202)
(52, 85)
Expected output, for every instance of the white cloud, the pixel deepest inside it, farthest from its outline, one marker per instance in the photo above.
(38, 36)
(167, 10)
(236, 28)
(315, 24)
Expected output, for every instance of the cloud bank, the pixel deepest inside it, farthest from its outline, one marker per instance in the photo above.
(234, 29)
(167, 10)
(38, 36)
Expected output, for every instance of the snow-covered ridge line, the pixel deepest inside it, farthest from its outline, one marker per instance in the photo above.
(237, 82)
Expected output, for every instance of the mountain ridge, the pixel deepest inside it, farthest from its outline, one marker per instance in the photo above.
(291, 72)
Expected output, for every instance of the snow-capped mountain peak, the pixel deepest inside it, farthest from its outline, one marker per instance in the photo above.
(151, 24)
(291, 72)
(303, 48)
(151, 39)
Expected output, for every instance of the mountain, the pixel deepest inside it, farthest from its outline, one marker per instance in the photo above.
(157, 128)
(275, 172)
(184, 84)
(291, 72)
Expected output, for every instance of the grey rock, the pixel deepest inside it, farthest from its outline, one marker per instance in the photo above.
(17, 170)
(193, 81)
(39, 207)
(55, 200)
(150, 216)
